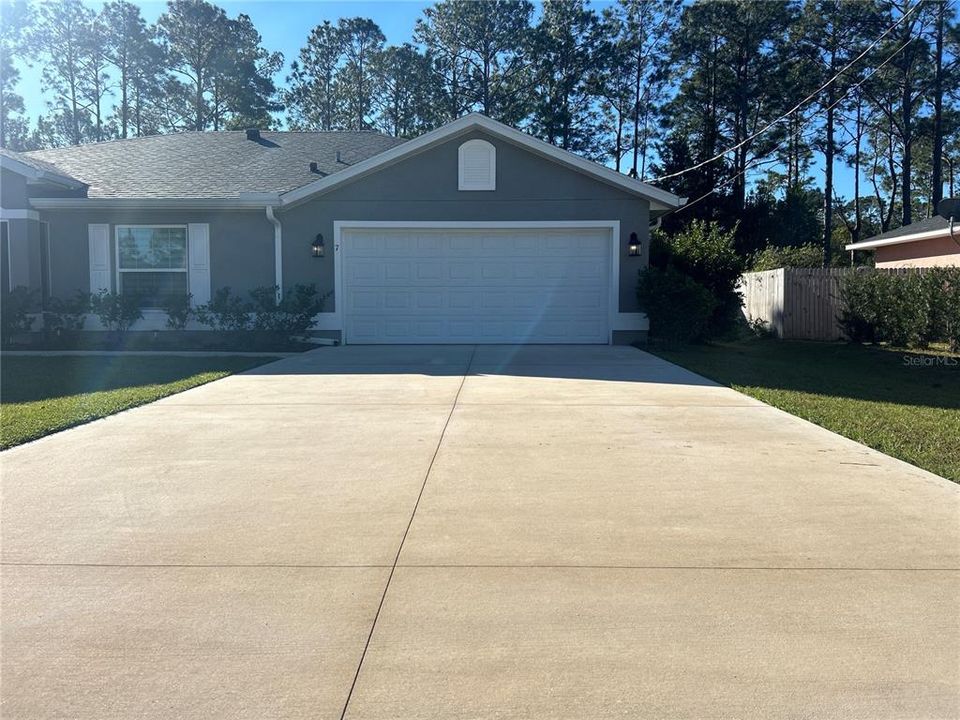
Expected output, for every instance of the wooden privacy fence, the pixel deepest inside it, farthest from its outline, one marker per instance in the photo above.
(795, 303)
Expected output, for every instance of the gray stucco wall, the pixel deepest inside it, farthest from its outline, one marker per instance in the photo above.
(421, 188)
(241, 244)
(424, 187)
(13, 190)
(22, 261)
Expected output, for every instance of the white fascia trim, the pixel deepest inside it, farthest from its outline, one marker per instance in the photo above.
(19, 214)
(659, 199)
(253, 201)
(928, 235)
(614, 320)
(35, 175)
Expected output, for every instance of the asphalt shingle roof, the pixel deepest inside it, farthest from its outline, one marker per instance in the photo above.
(210, 164)
(32, 160)
(933, 223)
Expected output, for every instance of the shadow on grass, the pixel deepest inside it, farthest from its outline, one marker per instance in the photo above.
(31, 379)
(902, 377)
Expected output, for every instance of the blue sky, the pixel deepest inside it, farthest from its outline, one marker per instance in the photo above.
(285, 24)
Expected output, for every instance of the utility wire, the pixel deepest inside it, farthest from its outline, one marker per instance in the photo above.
(779, 145)
(798, 105)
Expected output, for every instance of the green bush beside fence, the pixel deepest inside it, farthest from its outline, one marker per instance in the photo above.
(698, 270)
(910, 309)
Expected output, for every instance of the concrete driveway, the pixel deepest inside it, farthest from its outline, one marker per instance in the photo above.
(460, 532)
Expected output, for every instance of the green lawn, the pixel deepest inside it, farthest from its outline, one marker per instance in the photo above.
(903, 403)
(41, 395)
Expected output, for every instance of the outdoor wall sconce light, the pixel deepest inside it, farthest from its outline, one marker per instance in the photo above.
(633, 246)
(317, 246)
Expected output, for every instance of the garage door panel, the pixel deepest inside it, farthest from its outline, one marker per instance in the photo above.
(430, 300)
(462, 271)
(463, 300)
(476, 286)
(396, 270)
(365, 299)
(396, 300)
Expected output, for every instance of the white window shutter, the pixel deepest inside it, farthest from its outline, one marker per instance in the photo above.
(477, 161)
(98, 238)
(198, 269)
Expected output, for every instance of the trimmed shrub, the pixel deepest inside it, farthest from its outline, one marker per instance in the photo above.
(773, 257)
(225, 312)
(943, 290)
(679, 308)
(910, 309)
(178, 310)
(116, 312)
(295, 314)
(706, 253)
(67, 315)
(862, 293)
(15, 311)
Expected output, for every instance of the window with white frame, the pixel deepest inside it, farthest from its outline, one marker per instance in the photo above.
(152, 262)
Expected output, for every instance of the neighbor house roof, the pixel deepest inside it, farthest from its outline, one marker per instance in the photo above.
(36, 169)
(926, 229)
(223, 165)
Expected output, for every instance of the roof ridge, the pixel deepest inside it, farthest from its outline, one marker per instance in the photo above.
(182, 133)
(97, 143)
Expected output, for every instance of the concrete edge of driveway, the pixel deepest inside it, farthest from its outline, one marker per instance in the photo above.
(850, 441)
(105, 418)
(872, 451)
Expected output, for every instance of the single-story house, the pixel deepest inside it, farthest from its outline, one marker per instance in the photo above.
(927, 243)
(472, 233)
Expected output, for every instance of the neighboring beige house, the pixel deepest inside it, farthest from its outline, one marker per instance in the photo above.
(927, 243)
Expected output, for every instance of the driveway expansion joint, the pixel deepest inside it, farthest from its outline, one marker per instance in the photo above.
(406, 532)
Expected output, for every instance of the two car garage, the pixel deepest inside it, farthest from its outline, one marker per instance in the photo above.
(476, 282)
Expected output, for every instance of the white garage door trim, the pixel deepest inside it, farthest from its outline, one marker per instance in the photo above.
(616, 319)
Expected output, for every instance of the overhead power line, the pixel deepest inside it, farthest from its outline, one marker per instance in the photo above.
(796, 107)
(761, 161)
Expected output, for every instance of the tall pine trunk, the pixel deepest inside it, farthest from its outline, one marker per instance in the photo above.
(828, 156)
(857, 214)
(938, 111)
(906, 167)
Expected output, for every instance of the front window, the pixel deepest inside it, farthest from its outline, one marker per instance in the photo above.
(152, 262)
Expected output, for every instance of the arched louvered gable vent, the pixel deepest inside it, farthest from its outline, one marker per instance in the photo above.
(477, 166)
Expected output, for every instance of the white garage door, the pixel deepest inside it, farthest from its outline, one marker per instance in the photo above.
(475, 286)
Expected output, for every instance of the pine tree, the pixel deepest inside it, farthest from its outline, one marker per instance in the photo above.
(405, 94)
(643, 28)
(830, 35)
(131, 50)
(310, 98)
(14, 47)
(192, 34)
(487, 45)
(354, 82)
(564, 109)
(60, 38)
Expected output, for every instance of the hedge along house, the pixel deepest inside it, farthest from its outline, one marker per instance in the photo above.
(472, 233)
